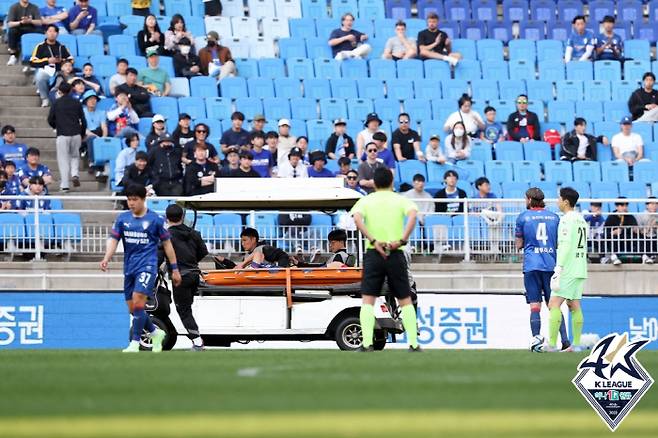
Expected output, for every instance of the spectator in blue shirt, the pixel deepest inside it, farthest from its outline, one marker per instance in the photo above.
(346, 42)
(11, 150)
(126, 157)
(33, 168)
(609, 45)
(36, 188)
(263, 160)
(317, 169)
(83, 19)
(352, 182)
(493, 131)
(12, 185)
(53, 14)
(580, 44)
(384, 155)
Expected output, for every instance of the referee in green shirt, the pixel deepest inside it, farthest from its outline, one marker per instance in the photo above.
(380, 219)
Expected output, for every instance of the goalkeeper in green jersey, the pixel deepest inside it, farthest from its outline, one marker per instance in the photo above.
(568, 281)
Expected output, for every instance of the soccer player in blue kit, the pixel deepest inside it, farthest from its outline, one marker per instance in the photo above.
(536, 234)
(141, 230)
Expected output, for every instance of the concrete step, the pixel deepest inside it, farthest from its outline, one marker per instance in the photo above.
(44, 132)
(42, 143)
(17, 79)
(23, 111)
(28, 90)
(31, 100)
(26, 122)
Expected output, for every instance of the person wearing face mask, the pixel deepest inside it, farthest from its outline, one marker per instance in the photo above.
(523, 125)
(216, 60)
(186, 64)
(457, 145)
(471, 119)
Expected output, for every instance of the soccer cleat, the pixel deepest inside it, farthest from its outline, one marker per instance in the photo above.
(133, 347)
(565, 345)
(198, 348)
(416, 349)
(12, 60)
(157, 337)
(363, 349)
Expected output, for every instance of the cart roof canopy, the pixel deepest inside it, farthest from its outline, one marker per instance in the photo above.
(288, 194)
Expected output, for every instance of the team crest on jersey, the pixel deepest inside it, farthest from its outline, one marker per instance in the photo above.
(145, 225)
(611, 379)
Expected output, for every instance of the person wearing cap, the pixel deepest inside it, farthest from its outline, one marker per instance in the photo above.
(258, 124)
(77, 89)
(231, 162)
(139, 97)
(33, 167)
(523, 125)
(245, 169)
(318, 160)
(627, 146)
(433, 151)
(123, 119)
(186, 63)
(621, 233)
(182, 135)
(216, 60)
(158, 127)
(150, 35)
(262, 158)
(126, 156)
(153, 78)
(83, 19)
(643, 103)
(141, 8)
(578, 145)
(493, 131)
(423, 199)
(166, 167)
(176, 32)
(368, 167)
(406, 141)
(200, 174)
(450, 191)
(346, 42)
(201, 134)
(340, 144)
(609, 45)
(119, 77)
(294, 167)
(371, 125)
(286, 142)
(580, 43)
(67, 118)
(47, 58)
(235, 135)
(36, 187)
(10, 149)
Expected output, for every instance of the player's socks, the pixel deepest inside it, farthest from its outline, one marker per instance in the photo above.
(139, 320)
(554, 325)
(563, 330)
(367, 318)
(535, 321)
(577, 325)
(148, 325)
(408, 314)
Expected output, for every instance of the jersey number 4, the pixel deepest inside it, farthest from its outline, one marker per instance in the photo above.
(541, 235)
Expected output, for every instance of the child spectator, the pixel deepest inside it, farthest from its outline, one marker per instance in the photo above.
(263, 161)
(493, 131)
(433, 150)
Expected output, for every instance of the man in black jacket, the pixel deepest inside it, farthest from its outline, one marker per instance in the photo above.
(578, 145)
(643, 103)
(140, 99)
(68, 119)
(451, 191)
(190, 250)
(200, 174)
(186, 63)
(166, 167)
(47, 58)
(339, 144)
(523, 125)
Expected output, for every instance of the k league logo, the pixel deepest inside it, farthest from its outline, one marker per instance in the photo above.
(611, 379)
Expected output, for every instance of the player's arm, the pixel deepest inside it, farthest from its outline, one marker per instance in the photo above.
(408, 229)
(361, 226)
(564, 245)
(111, 248)
(171, 256)
(518, 234)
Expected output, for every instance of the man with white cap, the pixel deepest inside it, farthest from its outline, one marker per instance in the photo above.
(286, 142)
(158, 127)
(215, 59)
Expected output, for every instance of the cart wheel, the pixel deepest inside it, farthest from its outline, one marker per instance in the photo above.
(379, 341)
(348, 334)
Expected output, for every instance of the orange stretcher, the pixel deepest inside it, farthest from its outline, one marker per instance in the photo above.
(279, 277)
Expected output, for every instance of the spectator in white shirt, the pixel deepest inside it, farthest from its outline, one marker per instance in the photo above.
(627, 146)
(470, 118)
(457, 144)
(433, 150)
(400, 46)
(373, 122)
(423, 200)
(294, 167)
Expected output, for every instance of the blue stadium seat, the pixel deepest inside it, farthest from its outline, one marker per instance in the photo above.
(399, 89)
(436, 171)
(521, 69)
(409, 69)
(539, 151)
(437, 70)
(276, 108)
(104, 65)
(558, 30)
(514, 190)
(276, 28)
(12, 227)
(604, 190)
(344, 88)
(484, 10)
(427, 89)
(515, 10)
(623, 89)
(522, 49)
(370, 88)
(481, 152)
(510, 90)
(489, 50)
(647, 31)
(484, 90)
(495, 70)
(233, 87)
(645, 130)
(136, 62)
(117, 8)
(89, 45)
(203, 86)
(634, 190)
(465, 47)
(473, 169)
(324, 26)
(260, 87)
(317, 88)
(646, 172)
(552, 70)
(598, 91)
(120, 45)
(67, 226)
(318, 48)
(509, 151)
(418, 109)
(287, 87)
(249, 106)
(457, 10)
(384, 27)
(358, 108)
(569, 90)
(468, 70)
(333, 108)
(340, 7)
(248, 67)
(327, 68)
(300, 68)
(603, 152)
(355, 69)
(614, 111)
(314, 9)
(533, 30)
(302, 27)
(587, 171)
(526, 171)
(453, 89)
(449, 27)
(218, 108)
(540, 90)
(561, 111)
(178, 6)
(272, 68)
(590, 110)
(382, 69)
(634, 70)
(292, 48)
(503, 108)
(606, 70)
(638, 50)
(567, 9)
(194, 106)
(581, 71)
(559, 172)
(167, 106)
(371, 9)
(318, 131)
(430, 127)
(106, 149)
(214, 127)
(537, 107)
(472, 30)
(407, 169)
(303, 108)
(549, 50)
(497, 170)
(600, 8)
(542, 10)
(606, 128)
(651, 151)
(387, 109)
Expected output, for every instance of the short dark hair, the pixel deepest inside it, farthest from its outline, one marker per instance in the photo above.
(536, 196)
(132, 70)
(379, 136)
(88, 64)
(450, 173)
(569, 194)
(37, 180)
(9, 163)
(76, 82)
(135, 190)
(404, 115)
(481, 180)
(652, 198)
(400, 23)
(65, 87)
(418, 177)
(257, 134)
(141, 155)
(52, 25)
(463, 99)
(432, 15)
(489, 108)
(174, 213)
(608, 19)
(344, 161)
(33, 151)
(250, 232)
(579, 121)
(337, 236)
(8, 128)
(650, 75)
(122, 61)
(596, 204)
(383, 178)
(576, 18)
(237, 115)
(271, 134)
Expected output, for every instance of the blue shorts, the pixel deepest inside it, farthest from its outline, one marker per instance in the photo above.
(537, 285)
(141, 282)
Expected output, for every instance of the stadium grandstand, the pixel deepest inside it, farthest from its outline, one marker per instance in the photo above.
(281, 67)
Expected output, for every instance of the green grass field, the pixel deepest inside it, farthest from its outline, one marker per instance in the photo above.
(303, 393)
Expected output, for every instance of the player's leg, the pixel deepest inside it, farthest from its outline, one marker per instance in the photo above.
(371, 286)
(139, 319)
(145, 287)
(184, 297)
(397, 277)
(128, 282)
(533, 298)
(577, 321)
(555, 319)
(546, 289)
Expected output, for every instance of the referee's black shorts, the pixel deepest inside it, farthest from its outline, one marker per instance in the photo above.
(376, 269)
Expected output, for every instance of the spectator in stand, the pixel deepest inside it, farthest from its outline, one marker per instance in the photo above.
(302, 144)
(367, 168)
(451, 191)
(150, 36)
(400, 46)
(96, 126)
(47, 57)
(596, 221)
(643, 103)
(433, 150)
(23, 17)
(578, 145)
(77, 89)
(138, 173)
(65, 74)
(231, 162)
(119, 78)
(339, 144)
(68, 119)
(294, 167)
(122, 118)
(212, 8)
(470, 118)
(272, 145)
(200, 174)
(182, 135)
(483, 191)
(435, 44)
(32, 168)
(201, 133)
(648, 222)
(406, 141)
(423, 200)
(352, 181)
(258, 124)
(372, 124)
(627, 146)
(457, 145)
(186, 63)
(166, 167)
(12, 187)
(153, 78)
(83, 19)
(245, 170)
(9, 149)
(176, 32)
(523, 125)
(609, 46)
(383, 153)
(318, 160)
(139, 97)
(90, 80)
(580, 44)
(126, 157)
(344, 166)
(235, 136)
(347, 43)
(286, 142)
(622, 234)
(53, 14)
(216, 60)
(263, 161)
(35, 188)
(141, 7)
(493, 131)
(158, 127)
